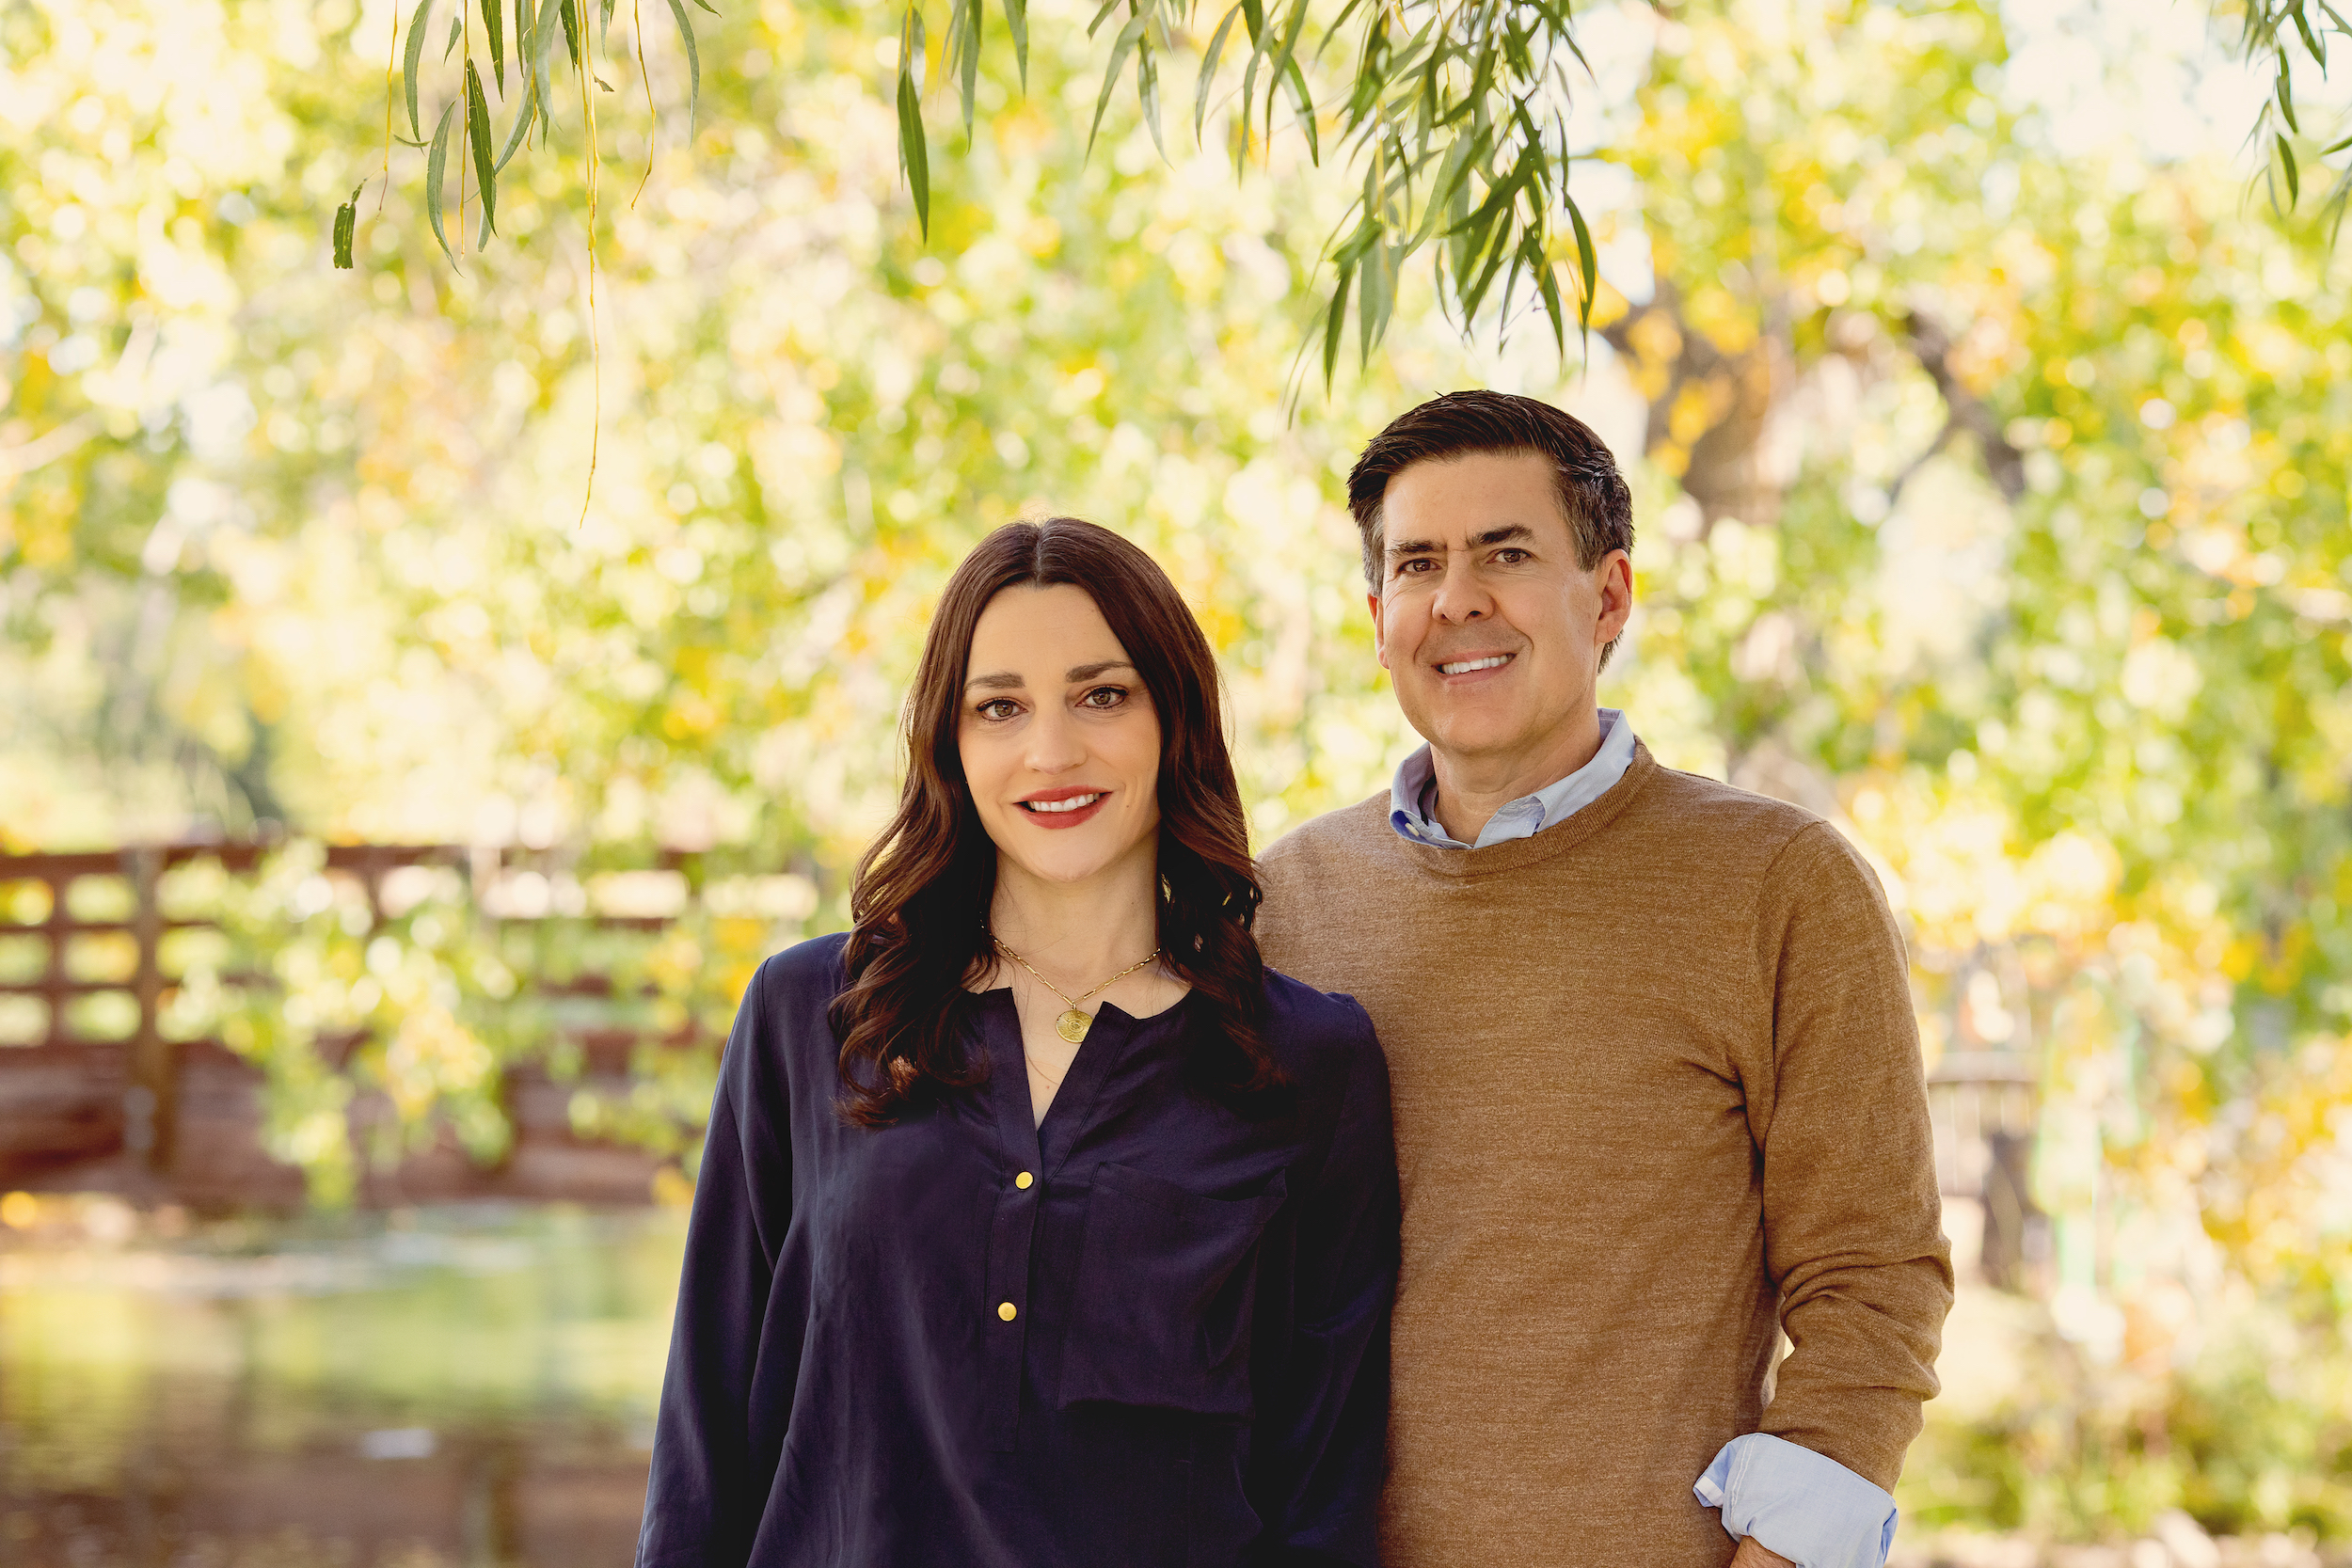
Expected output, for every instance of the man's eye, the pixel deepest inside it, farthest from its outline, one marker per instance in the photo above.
(1412, 565)
(1511, 557)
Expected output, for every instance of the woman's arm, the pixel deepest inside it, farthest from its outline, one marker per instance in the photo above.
(703, 1501)
(1320, 1444)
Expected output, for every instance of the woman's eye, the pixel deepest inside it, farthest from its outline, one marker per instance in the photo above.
(1104, 696)
(999, 708)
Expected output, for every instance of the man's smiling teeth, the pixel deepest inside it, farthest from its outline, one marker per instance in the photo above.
(1466, 666)
(1072, 804)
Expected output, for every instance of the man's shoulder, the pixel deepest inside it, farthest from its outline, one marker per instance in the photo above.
(1773, 841)
(1709, 815)
(1345, 833)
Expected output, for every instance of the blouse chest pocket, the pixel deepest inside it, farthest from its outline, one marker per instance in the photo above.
(1161, 1311)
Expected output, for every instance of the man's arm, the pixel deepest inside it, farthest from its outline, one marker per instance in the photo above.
(1852, 1220)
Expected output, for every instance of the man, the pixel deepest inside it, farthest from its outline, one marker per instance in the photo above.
(1657, 1080)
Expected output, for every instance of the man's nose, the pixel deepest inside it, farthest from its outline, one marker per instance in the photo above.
(1460, 596)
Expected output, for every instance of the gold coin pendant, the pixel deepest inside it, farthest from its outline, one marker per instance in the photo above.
(1072, 1025)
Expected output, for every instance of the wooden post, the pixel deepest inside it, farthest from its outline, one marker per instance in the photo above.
(151, 1102)
(53, 984)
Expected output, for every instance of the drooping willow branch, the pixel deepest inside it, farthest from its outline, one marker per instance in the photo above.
(1452, 117)
(534, 37)
(1455, 119)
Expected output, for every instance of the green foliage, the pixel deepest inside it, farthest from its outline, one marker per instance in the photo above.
(1452, 120)
(1992, 502)
(2281, 33)
(420, 1003)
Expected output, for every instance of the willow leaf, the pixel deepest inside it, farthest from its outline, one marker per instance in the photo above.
(1017, 24)
(1584, 260)
(693, 61)
(542, 41)
(493, 24)
(913, 152)
(436, 166)
(1128, 37)
(1208, 74)
(571, 30)
(2295, 179)
(1335, 320)
(523, 117)
(1303, 104)
(2311, 42)
(1547, 286)
(456, 31)
(478, 137)
(1147, 92)
(1376, 298)
(414, 57)
(346, 222)
(964, 52)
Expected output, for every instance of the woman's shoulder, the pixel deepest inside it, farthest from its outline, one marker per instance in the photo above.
(1312, 1030)
(804, 972)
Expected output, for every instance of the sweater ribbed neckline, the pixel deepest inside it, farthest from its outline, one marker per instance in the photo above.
(1545, 844)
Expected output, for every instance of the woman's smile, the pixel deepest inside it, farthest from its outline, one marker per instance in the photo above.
(1063, 808)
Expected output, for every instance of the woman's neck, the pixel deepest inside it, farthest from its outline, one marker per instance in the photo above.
(1078, 934)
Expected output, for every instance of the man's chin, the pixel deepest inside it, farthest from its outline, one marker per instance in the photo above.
(1475, 737)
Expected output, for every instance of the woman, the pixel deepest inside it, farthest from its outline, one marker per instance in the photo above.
(1039, 1225)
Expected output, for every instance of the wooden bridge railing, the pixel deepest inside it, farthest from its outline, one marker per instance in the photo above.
(115, 1103)
(94, 1093)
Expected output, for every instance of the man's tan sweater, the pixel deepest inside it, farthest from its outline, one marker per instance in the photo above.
(1656, 1078)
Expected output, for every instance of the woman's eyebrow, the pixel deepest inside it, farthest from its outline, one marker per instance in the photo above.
(1003, 680)
(1087, 671)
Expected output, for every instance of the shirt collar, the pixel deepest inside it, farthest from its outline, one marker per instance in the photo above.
(1413, 793)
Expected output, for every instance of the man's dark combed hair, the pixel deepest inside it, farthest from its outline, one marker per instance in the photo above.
(1593, 495)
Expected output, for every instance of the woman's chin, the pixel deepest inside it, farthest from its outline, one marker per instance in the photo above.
(1064, 870)
(1069, 857)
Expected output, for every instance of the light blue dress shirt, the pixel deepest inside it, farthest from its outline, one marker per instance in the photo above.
(1804, 1505)
(1413, 798)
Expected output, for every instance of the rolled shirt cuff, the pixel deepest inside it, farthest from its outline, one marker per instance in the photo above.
(1804, 1505)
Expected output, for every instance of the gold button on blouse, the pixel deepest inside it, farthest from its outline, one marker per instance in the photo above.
(1023, 1180)
(1007, 1311)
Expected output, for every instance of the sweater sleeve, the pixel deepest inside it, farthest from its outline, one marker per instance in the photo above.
(702, 1496)
(1852, 1219)
(1322, 1434)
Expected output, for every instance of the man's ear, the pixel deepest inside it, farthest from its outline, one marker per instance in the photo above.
(1379, 631)
(1614, 579)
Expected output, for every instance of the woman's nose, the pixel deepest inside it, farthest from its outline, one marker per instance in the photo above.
(1055, 745)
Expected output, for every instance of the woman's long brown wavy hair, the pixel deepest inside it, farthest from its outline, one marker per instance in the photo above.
(921, 900)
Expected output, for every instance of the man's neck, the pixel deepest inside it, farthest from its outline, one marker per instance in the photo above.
(1078, 933)
(1472, 787)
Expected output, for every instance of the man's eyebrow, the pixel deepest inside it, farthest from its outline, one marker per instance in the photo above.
(1509, 533)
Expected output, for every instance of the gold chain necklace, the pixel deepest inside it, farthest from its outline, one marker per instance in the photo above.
(1072, 1024)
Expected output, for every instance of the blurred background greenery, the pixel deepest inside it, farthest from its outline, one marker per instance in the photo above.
(1991, 446)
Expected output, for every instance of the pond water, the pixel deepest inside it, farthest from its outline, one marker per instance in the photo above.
(427, 1389)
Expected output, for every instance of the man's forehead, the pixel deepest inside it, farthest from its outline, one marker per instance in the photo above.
(1471, 499)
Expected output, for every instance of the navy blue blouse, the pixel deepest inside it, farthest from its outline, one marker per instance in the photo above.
(1150, 1332)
